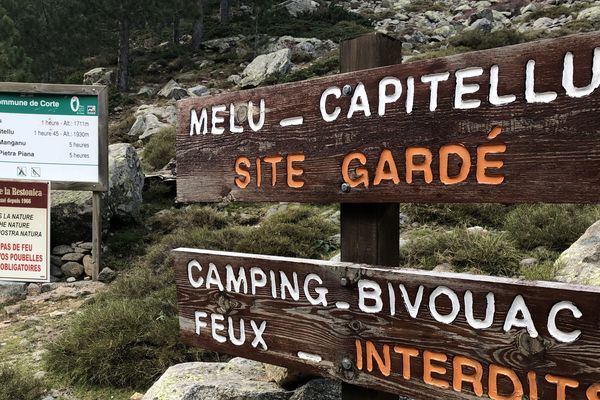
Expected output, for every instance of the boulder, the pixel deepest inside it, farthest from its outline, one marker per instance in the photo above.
(319, 389)
(99, 76)
(77, 257)
(580, 263)
(146, 126)
(591, 14)
(88, 265)
(264, 66)
(199, 90)
(72, 210)
(12, 291)
(235, 380)
(72, 270)
(223, 45)
(295, 7)
(61, 250)
(147, 91)
(172, 90)
(107, 275)
(285, 377)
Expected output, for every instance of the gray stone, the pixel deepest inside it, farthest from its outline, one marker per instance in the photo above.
(265, 66)
(12, 291)
(482, 24)
(303, 49)
(86, 245)
(72, 270)
(147, 91)
(434, 16)
(88, 265)
(77, 257)
(445, 267)
(61, 250)
(235, 79)
(223, 45)
(71, 280)
(238, 379)
(72, 210)
(199, 90)
(107, 275)
(34, 289)
(56, 271)
(319, 389)
(12, 310)
(580, 263)
(172, 90)
(48, 287)
(591, 14)
(285, 377)
(295, 7)
(543, 23)
(56, 261)
(99, 76)
(476, 230)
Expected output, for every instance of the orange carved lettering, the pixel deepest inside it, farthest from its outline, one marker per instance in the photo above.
(425, 166)
(593, 392)
(429, 369)
(495, 371)
(359, 356)
(386, 168)
(245, 173)
(407, 353)
(483, 164)
(533, 387)
(384, 364)
(561, 385)
(273, 160)
(291, 171)
(465, 167)
(362, 173)
(258, 172)
(459, 375)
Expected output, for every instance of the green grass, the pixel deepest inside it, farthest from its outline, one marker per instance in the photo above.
(159, 150)
(17, 383)
(475, 40)
(487, 215)
(549, 12)
(554, 227)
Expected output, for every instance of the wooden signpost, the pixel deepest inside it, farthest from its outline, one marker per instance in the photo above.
(514, 124)
(417, 333)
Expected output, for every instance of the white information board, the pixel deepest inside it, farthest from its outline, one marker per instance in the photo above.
(49, 137)
(24, 231)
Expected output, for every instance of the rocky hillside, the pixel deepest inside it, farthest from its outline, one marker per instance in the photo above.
(74, 339)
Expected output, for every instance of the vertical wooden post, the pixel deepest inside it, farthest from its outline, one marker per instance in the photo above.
(96, 233)
(370, 233)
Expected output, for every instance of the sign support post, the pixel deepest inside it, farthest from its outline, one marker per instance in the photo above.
(370, 233)
(96, 233)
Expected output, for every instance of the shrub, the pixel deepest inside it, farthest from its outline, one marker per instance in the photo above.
(492, 253)
(160, 149)
(16, 383)
(126, 338)
(553, 226)
(488, 215)
(477, 41)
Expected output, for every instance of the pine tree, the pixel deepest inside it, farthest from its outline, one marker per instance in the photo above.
(14, 64)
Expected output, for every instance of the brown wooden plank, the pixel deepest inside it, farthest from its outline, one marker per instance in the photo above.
(370, 233)
(552, 149)
(331, 331)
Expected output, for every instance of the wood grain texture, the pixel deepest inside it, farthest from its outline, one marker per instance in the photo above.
(553, 149)
(330, 332)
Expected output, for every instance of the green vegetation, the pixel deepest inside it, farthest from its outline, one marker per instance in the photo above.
(424, 5)
(555, 227)
(487, 215)
(16, 383)
(160, 149)
(474, 40)
(548, 12)
(134, 323)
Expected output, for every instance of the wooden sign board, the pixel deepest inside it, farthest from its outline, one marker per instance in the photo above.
(425, 335)
(511, 124)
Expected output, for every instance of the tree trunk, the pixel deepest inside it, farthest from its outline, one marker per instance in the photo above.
(123, 61)
(224, 16)
(198, 29)
(176, 32)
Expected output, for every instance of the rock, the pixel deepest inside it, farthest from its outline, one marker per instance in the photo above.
(71, 280)
(88, 265)
(235, 380)
(12, 291)
(34, 289)
(151, 119)
(72, 210)
(543, 23)
(303, 49)
(167, 114)
(319, 389)
(61, 250)
(172, 90)
(107, 275)
(12, 310)
(434, 16)
(86, 246)
(77, 257)
(482, 25)
(336, 257)
(580, 263)
(147, 91)
(223, 45)
(99, 76)
(56, 261)
(264, 66)
(56, 271)
(295, 7)
(591, 14)
(476, 230)
(72, 270)
(126, 181)
(48, 287)
(285, 377)
(199, 90)
(235, 79)
(136, 396)
(445, 267)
